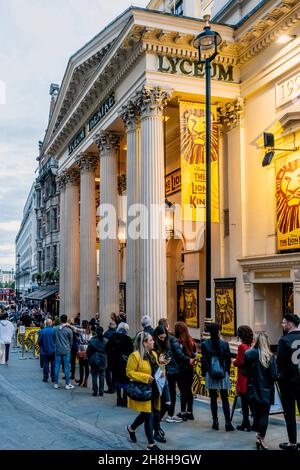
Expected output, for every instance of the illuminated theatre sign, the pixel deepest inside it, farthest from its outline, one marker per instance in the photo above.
(185, 66)
(92, 122)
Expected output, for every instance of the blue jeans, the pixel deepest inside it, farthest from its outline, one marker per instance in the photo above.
(48, 359)
(65, 359)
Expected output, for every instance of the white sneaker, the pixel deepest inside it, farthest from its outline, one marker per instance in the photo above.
(56, 386)
(173, 419)
(69, 387)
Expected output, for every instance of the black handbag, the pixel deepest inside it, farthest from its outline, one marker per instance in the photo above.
(139, 391)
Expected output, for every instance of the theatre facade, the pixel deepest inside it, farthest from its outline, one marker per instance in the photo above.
(128, 132)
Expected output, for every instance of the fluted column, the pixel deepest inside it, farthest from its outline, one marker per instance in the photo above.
(108, 143)
(153, 248)
(62, 241)
(88, 255)
(71, 250)
(132, 123)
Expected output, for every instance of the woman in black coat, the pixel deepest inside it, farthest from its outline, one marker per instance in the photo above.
(260, 368)
(216, 353)
(118, 348)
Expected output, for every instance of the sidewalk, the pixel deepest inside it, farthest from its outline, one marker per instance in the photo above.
(99, 419)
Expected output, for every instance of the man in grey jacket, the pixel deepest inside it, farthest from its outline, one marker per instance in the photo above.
(63, 338)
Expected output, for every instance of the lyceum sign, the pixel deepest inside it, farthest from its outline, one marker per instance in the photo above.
(92, 122)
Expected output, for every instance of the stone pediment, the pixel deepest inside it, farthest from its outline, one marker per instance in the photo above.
(95, 76)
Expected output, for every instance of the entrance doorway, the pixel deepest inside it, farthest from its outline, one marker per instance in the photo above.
(270, 304)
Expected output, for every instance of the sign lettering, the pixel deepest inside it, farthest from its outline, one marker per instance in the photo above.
(288, 90)
(175, 65)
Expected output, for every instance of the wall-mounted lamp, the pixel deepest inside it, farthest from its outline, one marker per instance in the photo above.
(122, 234)
(269, 143)
(169, 218)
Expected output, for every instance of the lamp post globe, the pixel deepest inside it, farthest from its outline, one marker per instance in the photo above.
(207, 43)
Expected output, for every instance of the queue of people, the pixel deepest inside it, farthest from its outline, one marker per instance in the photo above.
(145, 373)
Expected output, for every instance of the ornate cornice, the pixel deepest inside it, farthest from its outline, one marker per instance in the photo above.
(152, 100)
(87, 162)
(267, 29)
(230, 114)
(107, 142)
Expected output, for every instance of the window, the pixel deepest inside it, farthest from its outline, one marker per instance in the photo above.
(54, 256)
(179, 8)
(48, 222)
(48, 258)
(54, 219)
(38, 198)
(226, 223)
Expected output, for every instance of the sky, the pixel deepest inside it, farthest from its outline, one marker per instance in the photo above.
(37, 38)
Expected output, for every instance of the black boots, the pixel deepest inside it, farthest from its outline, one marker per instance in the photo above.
(215, 425)
(228, 426)
(245, 426)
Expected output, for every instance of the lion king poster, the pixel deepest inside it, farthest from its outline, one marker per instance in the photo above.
(288, 202)
(225, 306)
(193, 174)
(188, 303)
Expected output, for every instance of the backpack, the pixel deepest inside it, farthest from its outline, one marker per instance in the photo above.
(98, 360)
(217, 370)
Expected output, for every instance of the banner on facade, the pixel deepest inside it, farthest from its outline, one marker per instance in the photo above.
(288, 202)
(193, 174)
(225, 305)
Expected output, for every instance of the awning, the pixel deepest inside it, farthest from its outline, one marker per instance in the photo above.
(42, 293)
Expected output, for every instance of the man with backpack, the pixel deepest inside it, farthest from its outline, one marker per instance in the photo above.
(288, 363)
(97, 360)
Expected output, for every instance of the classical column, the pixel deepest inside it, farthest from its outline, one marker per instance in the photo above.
(62, 189)
(88, 255)
(132, 123)
(71, 250)
(108, 143)
(153, 293)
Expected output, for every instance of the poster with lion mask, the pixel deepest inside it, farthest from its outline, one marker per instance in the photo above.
(188, 303)
(288, 202)
(225, 313)
(193, 173)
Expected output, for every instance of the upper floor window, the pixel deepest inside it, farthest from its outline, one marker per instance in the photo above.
(54, 219)
(179, 8)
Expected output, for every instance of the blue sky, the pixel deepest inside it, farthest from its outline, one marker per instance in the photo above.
(37, 37)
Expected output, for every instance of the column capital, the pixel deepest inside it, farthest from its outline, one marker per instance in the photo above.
(230, 115)
(130, 114)
(107, 141)
(87, 161)
(152, 101)
(72, 176)
(61, 181)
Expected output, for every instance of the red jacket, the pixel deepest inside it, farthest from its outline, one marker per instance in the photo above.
(241, 383)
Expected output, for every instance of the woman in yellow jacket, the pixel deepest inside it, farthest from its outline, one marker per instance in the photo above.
(141, 367)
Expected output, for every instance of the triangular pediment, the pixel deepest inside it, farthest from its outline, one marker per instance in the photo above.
(82, 67)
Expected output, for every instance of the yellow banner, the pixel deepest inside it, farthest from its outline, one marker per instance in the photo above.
(30, 337)
(193, 174)
(288, 202)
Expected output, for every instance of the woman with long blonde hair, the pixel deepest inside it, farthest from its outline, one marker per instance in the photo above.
(260, 368)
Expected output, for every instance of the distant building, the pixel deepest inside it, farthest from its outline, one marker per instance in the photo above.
(26, 249)
(6, 277)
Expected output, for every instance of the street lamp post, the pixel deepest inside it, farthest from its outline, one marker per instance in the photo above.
(207, 44)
